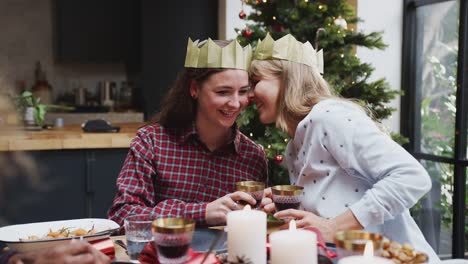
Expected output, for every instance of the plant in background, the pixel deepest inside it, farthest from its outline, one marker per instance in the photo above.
(343, 69)
(31, 106)
(438, 111)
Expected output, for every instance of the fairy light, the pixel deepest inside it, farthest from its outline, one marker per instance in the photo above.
(274, 18)
(251, 134)
(342, 55)
(338, 32)
(264, 1)
(320, 7)
(306, 1)
(286, 140)
(269, 146)
(239, 32)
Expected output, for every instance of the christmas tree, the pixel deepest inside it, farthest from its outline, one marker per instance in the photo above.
(325, 25)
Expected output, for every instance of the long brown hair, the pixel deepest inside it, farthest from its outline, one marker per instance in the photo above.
(178, 108)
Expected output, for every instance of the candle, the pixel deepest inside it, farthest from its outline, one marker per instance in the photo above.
(247, 231)
(367, 258)
(293, 246)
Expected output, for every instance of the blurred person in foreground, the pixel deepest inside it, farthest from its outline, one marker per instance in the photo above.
(187, 161)
(11, 164)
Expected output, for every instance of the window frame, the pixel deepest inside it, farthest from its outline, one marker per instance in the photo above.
(411, 118)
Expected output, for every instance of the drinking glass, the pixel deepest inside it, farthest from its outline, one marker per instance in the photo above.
(173, 237)
(254, 188)
(287, 196)
(138, 233)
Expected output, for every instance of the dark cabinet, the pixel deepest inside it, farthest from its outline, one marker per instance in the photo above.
(104, 31)
(104, 168)
(165, 29)
(70, 184)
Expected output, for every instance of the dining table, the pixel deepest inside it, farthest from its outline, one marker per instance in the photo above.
(122, 256)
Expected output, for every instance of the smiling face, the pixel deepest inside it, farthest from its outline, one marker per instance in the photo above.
(265, 94)
(221, 98)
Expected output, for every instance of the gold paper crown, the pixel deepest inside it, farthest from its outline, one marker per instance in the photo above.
(288, 48)
(210, 55)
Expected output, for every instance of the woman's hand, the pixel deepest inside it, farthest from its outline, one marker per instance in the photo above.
(267, 201)
(217, 210)
(73, 252)
(327, 227)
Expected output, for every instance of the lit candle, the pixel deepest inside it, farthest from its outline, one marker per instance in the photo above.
(293, 246)
(367, 258)
(247, 230)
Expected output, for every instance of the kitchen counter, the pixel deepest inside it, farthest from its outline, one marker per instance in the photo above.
(68, 137)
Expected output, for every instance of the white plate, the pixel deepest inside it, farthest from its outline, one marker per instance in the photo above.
(13, 235)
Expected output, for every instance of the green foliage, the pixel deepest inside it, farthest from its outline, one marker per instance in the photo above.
(343, 70)
(27, 99)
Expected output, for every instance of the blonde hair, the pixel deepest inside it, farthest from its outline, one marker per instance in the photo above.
(302, 87)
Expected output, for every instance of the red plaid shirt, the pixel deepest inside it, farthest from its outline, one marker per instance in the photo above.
(171, 173)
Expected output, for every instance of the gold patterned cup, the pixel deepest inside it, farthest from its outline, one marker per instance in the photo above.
(254, 188)
(173, 237)
(287, 196)
(353, 242)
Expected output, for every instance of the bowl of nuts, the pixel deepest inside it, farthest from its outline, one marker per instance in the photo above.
(402, 254)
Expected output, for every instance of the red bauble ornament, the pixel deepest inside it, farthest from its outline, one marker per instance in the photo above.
(247, 33)
(278, 158)
(242, 14)
(278, 28)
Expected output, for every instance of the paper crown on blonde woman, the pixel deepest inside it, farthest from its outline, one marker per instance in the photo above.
(288, 48)
(210, 55)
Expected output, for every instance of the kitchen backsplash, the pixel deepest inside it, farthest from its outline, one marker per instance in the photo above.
(27, 37)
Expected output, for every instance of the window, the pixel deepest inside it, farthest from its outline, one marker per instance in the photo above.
(434, 115)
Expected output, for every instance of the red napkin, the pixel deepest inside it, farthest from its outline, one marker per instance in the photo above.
(105, 245)
(149, 255)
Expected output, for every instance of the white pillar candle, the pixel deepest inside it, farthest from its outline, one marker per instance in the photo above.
(364, 260)
(293, 246)
(247, 230)
(367, 258)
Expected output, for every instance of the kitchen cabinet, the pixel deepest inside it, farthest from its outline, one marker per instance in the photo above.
(88, 31)
(70, 184)
(165, 29)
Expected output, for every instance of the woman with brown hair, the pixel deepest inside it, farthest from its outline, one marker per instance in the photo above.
(186, 163)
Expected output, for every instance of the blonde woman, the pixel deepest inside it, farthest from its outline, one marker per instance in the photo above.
(354, 175)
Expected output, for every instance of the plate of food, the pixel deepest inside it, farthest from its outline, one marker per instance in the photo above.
(25, 237)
